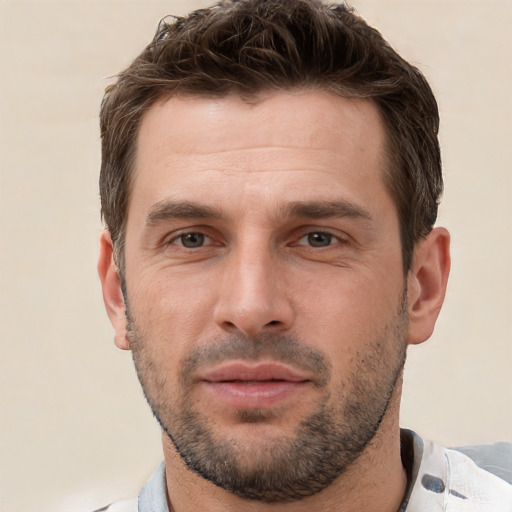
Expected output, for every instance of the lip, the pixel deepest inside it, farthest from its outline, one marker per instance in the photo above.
(262, 385)
(254, 372)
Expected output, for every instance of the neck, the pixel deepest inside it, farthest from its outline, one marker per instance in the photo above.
(375, 482)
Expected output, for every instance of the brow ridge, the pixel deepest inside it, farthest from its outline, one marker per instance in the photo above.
(169, 209)
(326, 209)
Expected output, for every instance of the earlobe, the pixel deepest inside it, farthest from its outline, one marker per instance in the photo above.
(427, 282)
(112, 293)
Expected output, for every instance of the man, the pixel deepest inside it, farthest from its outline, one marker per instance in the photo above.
(270, 180)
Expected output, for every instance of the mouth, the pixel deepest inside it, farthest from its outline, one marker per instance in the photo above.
(261, 385)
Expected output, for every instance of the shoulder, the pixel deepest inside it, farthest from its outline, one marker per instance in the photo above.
(120, 506)
(472, 478)
(482, 482)
(152, 497)
(495, 458)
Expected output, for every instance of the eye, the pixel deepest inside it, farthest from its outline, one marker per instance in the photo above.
(192, 240)
(317, 239)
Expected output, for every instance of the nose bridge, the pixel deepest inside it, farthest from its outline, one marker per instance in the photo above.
(252, 295)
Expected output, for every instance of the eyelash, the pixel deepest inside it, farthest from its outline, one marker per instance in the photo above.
(181, 236)
(306, 236)
(309, 237)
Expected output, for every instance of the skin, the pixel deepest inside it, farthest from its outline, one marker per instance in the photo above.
(258, 272)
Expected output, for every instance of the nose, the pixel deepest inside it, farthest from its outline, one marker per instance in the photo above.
(253, 296)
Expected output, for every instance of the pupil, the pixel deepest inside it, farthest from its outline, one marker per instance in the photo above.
(192, 240)
(319, 239)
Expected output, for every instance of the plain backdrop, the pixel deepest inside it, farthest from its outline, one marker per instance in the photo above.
(75, 430)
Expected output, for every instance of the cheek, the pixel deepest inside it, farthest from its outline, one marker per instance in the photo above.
(171, 310)
(345, 312)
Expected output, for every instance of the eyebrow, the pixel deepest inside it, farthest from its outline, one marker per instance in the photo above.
(326, 209)
(168, 209)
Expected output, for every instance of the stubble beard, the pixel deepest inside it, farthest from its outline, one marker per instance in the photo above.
(283, 468)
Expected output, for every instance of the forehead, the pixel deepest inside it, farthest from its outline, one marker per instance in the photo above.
(311, 118)
(286, 144)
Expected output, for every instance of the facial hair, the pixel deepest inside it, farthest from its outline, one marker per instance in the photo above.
(282, 468)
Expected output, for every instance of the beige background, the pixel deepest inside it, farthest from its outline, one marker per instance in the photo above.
(76, 432)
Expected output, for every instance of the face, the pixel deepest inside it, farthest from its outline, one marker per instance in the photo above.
(265, 288)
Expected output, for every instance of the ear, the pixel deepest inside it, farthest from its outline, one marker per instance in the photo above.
(112, 294)
(427, 281)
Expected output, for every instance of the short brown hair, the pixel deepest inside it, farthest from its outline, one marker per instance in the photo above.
(247, 46)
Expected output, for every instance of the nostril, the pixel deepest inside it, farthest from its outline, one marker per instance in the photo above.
(274, 322)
